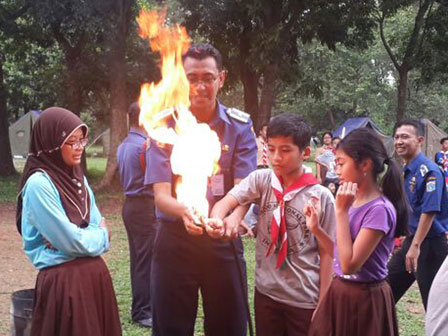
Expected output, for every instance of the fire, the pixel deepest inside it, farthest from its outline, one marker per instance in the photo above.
(196, 148)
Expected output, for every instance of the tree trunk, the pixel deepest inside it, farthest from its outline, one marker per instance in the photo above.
(401, 93)
(6, 162)
(268, 94)
(331, 118)
(250, 80)
(73, 95)
(118, 91)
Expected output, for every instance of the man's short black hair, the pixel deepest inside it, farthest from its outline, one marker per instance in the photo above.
(292, 125)
(417, 124)
(201, 51)
(443, 140)
(133, 113)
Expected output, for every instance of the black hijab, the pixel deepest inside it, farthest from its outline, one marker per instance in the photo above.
(51, 130)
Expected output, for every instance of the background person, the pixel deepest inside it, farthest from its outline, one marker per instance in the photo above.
(441, 158)
(425, 249)
(321, 170)
(138, 216)
(262, 148)
(64, 234)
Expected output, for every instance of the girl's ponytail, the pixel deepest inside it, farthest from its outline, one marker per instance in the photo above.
(392, 186)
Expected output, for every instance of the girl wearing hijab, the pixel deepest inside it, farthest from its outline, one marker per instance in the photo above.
(64, 234)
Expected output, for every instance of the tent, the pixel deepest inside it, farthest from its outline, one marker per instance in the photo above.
(354, 123)
(20, 133)
(433, 134)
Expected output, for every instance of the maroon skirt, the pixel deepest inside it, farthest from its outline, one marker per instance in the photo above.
(75, 298)
(356, 309)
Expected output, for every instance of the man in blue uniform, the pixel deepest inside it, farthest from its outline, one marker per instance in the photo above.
(138, 216)
(441, 158)
(424, 251)
(186, 259)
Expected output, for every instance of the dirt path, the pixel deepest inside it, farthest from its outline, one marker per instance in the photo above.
(16, 272)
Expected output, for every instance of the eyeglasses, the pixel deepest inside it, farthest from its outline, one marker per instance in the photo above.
(207, 80)
(77, 144)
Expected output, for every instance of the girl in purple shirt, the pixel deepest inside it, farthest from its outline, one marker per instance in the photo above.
(371, 210)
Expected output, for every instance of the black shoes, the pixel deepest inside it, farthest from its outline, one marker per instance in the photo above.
(145, 323)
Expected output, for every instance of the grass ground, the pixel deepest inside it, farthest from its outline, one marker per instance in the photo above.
(410, 310)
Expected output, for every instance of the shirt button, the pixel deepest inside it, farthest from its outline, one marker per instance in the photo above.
(78, 184)
(79, 191)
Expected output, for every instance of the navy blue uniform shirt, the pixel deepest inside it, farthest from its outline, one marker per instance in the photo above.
(425, 186)
(132, 176)
(238, 155)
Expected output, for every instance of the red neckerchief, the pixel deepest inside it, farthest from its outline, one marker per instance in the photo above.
(279, 235)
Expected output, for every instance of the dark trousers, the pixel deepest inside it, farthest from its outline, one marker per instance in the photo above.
(183, 265)
(273, 318)
(139, 220)
(432, 254)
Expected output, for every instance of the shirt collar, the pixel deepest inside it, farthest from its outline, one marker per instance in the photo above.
(414, 164)
(138, 132)
(221, 115)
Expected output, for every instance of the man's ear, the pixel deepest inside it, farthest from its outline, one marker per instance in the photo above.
(420, 139)
(307, 152)
(222, 78)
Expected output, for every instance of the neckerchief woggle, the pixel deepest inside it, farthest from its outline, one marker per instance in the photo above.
(279, 234)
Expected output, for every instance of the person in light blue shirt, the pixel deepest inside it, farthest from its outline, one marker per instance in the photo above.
(64, 234)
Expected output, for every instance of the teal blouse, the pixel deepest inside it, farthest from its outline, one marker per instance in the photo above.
(43, 216)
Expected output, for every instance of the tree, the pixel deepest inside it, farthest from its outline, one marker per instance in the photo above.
(405, 55)
(259, 39)
(433, 61)
(349, 83)
(122, 13)
(8, 14)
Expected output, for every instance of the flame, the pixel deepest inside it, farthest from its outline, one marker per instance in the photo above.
(196, 148)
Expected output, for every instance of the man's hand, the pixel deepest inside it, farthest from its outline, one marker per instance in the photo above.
(412, 258)
(214, 227)
(244, 230)
(190, 225)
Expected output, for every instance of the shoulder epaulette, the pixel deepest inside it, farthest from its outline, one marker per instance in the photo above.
(238, 115)
(163, 114)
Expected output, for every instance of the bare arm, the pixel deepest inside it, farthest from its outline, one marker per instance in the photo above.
(353, 255)
(424, 225)
(166, 203)
(326, 271)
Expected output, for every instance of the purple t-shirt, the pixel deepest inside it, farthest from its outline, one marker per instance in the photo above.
(378, 214)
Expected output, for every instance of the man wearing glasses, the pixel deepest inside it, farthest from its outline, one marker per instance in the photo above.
(186, 259)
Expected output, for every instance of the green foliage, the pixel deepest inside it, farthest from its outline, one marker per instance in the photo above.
(8, 189)
(433, 60)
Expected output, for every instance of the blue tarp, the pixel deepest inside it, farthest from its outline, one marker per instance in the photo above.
(354, 123)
